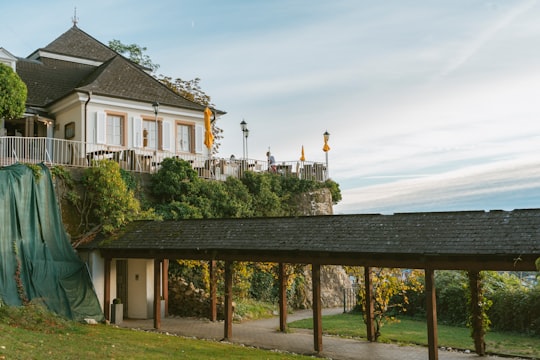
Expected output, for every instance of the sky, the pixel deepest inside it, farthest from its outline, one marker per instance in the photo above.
(430, 105)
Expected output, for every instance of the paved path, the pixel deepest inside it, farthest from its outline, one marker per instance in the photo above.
(264, 334)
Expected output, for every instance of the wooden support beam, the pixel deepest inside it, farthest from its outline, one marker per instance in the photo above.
(370, 318)
(213, 290)
(228, 300)
(431, 304)
(317, 320)
(165, 282)
(157, 293)
(282, 297)
(107, 290)
(475, 286)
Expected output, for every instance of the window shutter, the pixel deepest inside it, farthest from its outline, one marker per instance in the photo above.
(199, 133)
(137, 132)
(166, 135)
(101, 126)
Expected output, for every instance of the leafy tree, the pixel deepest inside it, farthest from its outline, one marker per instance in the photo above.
(174, 180)
(13, 93)
(238, 202)
(182, 194)
(264, 188)
(134, 53)
(391, 289)
(110, 201)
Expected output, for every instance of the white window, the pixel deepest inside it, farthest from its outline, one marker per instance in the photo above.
(115, 130)
(199, 139)
(137, 135)
(183, 138)
(166, 136)
(101, 119)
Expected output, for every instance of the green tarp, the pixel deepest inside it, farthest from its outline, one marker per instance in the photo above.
(37, 261)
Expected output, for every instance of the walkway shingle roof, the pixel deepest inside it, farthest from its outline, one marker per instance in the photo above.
(465, 239)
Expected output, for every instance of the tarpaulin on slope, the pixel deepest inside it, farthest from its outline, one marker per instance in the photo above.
(37, 261)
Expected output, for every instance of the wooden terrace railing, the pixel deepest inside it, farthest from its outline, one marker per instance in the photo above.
(52, 152)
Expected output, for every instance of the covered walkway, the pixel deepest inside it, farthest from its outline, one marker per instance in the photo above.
(471, 241)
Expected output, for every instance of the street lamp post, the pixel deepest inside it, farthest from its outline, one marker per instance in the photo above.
(155, 105)
(326, 148)
(245, 132)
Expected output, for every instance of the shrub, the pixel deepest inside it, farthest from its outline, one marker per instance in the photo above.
(516, 310)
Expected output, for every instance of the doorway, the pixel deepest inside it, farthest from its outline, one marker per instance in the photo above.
(121, 283)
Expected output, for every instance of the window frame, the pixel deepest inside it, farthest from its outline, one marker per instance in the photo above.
(192, 140)
(159, 131)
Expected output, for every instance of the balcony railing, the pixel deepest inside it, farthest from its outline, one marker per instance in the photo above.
(50, 151)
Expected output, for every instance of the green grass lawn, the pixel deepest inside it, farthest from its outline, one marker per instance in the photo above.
(31, 332)
(108, 342)
(415, 332)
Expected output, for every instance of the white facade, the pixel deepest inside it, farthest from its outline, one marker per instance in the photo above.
(122, 123)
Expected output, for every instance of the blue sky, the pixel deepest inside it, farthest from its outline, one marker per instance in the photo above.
(431, 105)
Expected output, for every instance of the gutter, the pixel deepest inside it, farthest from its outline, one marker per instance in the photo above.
(83, 133)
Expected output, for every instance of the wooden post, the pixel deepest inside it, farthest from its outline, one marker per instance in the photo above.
(165, 282)
(475, 286)
(317, 321)
(157, 294)
(370, 319)
(431, 303)
(282, 297)
(228, 299)
(213, 290)
(107, 290)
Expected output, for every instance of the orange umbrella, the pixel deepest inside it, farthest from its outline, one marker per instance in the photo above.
(302, 158)
(208, 136)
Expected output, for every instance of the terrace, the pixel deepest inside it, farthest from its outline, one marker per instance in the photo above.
(52, 152)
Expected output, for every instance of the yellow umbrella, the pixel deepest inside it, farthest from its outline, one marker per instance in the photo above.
(208, 136)
(302, 158)
(326, 148)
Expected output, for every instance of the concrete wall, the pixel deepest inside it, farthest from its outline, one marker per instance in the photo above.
(136, 284)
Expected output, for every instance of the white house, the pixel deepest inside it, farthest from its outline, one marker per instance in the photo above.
(106, 105)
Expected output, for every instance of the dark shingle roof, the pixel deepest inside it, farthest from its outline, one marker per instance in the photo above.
(49, 79)
(77, 43)
(119, 77)
(399, 239)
